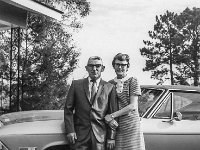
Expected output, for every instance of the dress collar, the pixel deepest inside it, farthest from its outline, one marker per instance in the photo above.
(121, 80)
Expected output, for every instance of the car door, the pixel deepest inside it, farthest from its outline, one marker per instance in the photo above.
(164, 131)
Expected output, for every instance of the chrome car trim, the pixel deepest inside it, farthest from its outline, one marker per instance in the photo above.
(2, 146)
(148, 113)
(27, 148)
(172, 105)
(1, 124)
(158, 103)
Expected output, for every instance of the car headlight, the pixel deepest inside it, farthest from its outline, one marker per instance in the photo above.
(2, 146)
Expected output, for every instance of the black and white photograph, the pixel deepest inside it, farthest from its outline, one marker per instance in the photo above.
(99, 75)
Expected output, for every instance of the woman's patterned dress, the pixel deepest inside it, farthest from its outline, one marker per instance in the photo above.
(129, 135)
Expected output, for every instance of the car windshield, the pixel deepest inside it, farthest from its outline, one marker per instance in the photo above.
(147, 99)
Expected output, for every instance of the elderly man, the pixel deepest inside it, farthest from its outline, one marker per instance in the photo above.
(87, 103)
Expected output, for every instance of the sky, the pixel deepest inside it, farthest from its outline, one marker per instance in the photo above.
(120, 26)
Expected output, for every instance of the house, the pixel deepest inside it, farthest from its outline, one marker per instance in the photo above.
(13, 13)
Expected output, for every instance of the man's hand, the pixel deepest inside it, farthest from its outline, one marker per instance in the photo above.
(71, 137)
(110, 144)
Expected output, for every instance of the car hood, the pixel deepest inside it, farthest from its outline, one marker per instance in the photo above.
(31, 116)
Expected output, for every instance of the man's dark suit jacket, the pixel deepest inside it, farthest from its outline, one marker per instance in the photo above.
(82, 116)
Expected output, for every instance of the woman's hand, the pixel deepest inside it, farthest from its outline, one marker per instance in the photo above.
(108, 118)
(113, 124)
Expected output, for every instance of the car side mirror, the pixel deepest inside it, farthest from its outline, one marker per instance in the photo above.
(178, 116)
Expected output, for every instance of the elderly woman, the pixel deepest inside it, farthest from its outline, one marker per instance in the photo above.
(129, 135)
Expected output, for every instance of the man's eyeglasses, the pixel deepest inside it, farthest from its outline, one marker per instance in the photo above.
(122, 65)
(96, 65)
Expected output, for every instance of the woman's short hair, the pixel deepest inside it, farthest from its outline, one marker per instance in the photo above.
(121, 57)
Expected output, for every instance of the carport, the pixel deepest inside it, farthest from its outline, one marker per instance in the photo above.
(13, 16)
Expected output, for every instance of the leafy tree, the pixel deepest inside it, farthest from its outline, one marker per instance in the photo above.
(47, 57)
(189, 23)
(3, 51)
(160, 50)
(3, 65)
(2, 60)
(174, 48)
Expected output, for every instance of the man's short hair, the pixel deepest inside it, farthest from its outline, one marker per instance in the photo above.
(95, 58)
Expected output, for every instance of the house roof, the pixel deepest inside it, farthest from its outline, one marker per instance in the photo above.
(13, 13)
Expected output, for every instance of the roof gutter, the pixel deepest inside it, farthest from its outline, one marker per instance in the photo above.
(36, 7)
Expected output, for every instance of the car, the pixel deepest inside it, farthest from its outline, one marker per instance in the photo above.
(170, 120)
(33, 130)
(170, 117)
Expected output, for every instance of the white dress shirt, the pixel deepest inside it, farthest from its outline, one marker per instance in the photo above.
(90, 84)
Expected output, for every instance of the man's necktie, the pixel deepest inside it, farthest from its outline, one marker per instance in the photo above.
(93, 90)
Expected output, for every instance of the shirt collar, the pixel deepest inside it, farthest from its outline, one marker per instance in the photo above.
(97, 81)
